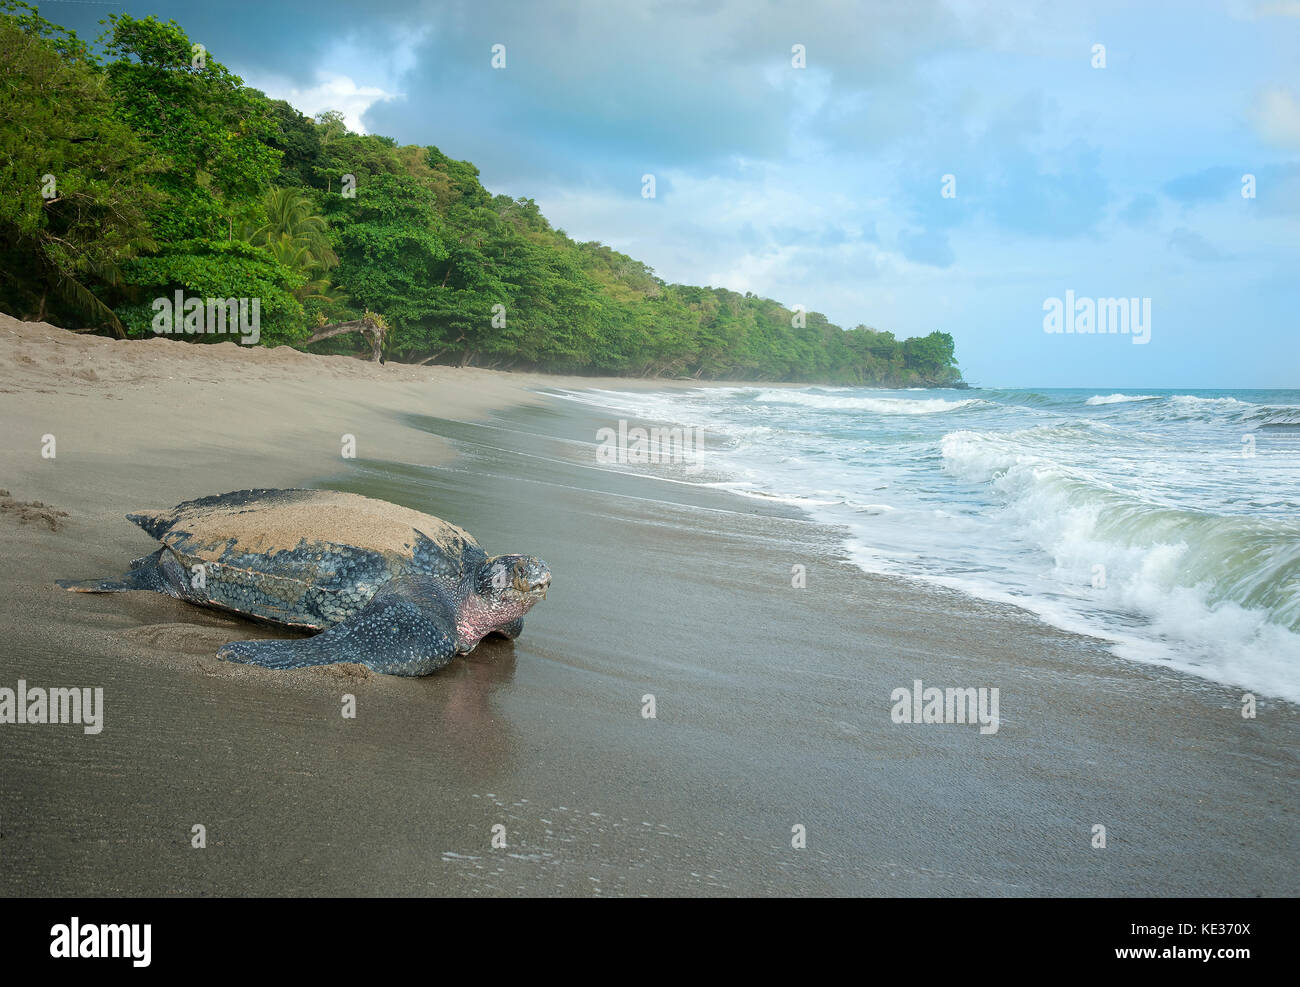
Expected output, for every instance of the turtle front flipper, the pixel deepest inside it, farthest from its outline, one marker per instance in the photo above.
(408, 628)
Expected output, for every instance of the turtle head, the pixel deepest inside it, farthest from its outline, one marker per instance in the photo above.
(515, 580)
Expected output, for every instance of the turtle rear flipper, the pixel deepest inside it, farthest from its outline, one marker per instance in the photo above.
(148, 573)
(408, 628)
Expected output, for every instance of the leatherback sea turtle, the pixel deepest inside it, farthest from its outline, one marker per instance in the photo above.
(392, 589)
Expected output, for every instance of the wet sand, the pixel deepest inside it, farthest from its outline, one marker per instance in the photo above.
(772, 702)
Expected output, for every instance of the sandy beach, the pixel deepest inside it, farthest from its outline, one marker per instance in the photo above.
(772, 702)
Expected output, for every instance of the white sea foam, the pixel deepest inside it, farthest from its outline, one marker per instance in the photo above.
(1193, 402)
(1120, 398)
(879, 405)
(1217, 595)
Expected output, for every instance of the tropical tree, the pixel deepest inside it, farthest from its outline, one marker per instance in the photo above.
(298, 237)
(214, 132)
(215, 269)
(390, 248)
(74, 180)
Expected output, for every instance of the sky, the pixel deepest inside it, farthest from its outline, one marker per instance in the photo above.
(931, 165)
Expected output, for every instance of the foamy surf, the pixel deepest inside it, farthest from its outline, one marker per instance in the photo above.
(1216, 595)
(1162, 522)
(881, 406)
(1097, 399)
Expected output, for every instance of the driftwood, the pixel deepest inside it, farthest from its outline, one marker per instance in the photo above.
(367, 326)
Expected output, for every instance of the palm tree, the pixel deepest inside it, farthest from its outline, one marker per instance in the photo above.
(297, 256)
(298, 237)
(291, 214)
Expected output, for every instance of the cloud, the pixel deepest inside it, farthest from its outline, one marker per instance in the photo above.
(1059, 194)
(1278, 189)
(1013, 168)
(332, 92)
(602, 90)
(1276, 116)
(1204, 186)
(1140, 210)
(1194, 245)
(926, 247)
(1277, 8)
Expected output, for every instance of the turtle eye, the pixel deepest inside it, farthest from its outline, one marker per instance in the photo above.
(521, 578)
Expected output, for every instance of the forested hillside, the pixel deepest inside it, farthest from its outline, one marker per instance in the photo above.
(149, 168)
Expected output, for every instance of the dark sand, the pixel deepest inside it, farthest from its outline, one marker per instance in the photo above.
(773, 703)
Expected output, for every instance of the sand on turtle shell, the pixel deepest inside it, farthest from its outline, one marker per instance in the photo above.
(283, 521)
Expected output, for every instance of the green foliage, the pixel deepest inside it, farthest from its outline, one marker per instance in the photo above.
(296, 236)
(215, 134)
(216, 269)
(61, 235)
(932, 357)
(175, 176)
(389, 247)
(298, 141)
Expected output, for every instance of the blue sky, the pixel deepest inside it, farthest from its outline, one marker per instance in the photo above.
(822, 185)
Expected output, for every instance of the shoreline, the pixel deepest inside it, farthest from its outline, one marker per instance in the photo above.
(773, 703)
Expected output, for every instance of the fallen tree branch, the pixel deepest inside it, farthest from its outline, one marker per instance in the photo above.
(372, 330)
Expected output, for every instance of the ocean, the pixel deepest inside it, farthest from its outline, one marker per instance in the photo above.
(1166, 522)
